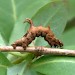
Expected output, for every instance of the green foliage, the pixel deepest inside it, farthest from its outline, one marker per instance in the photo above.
(4, 63)
(68, 36)
(55, 65)
(55, 13)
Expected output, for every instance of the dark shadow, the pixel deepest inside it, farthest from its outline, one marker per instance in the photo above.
(70, 24)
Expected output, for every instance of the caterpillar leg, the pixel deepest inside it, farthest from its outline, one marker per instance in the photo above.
(14, 46)
(24, 45)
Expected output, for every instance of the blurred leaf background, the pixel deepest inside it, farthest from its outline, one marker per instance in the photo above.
(59, 14)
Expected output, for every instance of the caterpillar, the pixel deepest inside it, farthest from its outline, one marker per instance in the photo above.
(36, 32)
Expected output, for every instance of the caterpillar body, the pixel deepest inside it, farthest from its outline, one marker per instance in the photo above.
(34, 32)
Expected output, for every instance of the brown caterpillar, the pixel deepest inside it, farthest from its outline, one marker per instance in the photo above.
(36, 32)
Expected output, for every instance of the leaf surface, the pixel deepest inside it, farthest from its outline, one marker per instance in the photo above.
(4, 63)
(55, 65)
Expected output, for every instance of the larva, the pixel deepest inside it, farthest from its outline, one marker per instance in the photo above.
(36, 32)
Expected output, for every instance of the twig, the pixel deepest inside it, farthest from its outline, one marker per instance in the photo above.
(39, 50)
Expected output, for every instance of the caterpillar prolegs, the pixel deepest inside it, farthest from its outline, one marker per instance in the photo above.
(36, 32)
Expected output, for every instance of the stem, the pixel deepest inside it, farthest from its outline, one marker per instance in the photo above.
(39, 50)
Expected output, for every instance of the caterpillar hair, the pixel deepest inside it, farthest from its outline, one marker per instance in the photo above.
(33, 32)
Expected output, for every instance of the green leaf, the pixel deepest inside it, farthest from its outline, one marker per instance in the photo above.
(3, 70)
(6, 19)
(4, 63)
(11, 10)
(45, 12)
(16, 69)
(70, 4)
(21, 69)
(3, 60)
(25, 9)
(55, 65)
(2, 42)
(50, 13)
(71, 47)
(68, 38)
